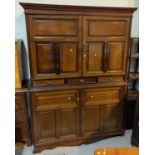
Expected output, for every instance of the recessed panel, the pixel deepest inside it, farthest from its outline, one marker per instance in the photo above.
(95, 57)
(69, 57)
(56, 27)
(68, 122)
(106, 28)
(46, 123)
(115, 55)
(109, 118)
(91, 119)
(45, 58)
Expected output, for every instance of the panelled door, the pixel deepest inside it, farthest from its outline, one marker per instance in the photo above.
(55, 46)
(102, 111)
(105, 41)
(55, 115)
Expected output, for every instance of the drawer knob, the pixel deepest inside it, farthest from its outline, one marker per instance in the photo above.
(81, 80)
(95, 55)
(84, 55)
(91, 96)
(69, 98)
(77, 98)
(71, 50)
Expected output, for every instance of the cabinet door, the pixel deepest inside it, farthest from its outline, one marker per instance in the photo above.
(55, 115)
(55, 46)
(105, 42)
(103, 110)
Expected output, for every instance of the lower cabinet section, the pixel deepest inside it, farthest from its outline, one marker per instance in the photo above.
(76, 116)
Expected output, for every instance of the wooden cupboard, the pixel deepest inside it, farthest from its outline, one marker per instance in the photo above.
(79, 67)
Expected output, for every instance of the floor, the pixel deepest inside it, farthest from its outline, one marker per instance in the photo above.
(119, 141)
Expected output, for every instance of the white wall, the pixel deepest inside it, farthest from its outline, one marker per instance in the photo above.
(20, 26)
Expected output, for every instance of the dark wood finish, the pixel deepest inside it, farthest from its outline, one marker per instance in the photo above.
(22, 125)
(77, 52)
(135, 132)
(133, 82)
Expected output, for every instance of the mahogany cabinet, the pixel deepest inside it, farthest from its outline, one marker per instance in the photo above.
(79, 60)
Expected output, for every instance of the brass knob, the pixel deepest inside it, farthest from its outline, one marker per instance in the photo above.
(71, 50)
(84, 55)
(81, 80)
(69, 98)
(91, 96)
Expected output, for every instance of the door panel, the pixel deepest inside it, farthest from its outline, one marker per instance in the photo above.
(68, 125)
(55, 46)
(91, 123)
(47, 125)
(56, 27)
(110, 120)
(45, 58)
(94, 60)
(55, 115)
(106, 28)
(116, 57)
(69, 58)
(107, 41)
(57, 60)
(103, 110)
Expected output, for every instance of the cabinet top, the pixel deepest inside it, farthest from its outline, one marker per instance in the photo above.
(32, 8)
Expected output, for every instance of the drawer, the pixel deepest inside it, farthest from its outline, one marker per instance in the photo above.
(103, 95)
(111, 79)
(48, 82)
(55, 100)
(20, 117)
(81, 80)
(56, 26)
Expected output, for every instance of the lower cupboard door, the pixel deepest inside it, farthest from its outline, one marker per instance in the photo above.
(68, 123)
(57, 124)
(111, 117)
(45, 126)
(102, 118)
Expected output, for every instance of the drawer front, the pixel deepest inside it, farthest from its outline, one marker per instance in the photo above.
(55, 100)
(56, 26)
(81, 80)
(111, 79)
(20, 117)
(47, 82)
(103, 96)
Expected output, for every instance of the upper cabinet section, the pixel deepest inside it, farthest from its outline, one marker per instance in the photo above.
(77, 41)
